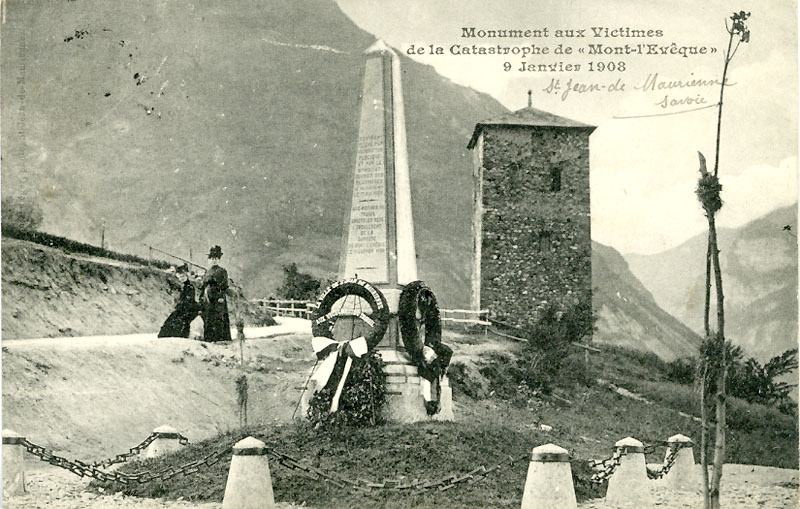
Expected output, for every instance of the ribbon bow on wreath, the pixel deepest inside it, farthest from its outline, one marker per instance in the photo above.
(328, 351)
(421, 330)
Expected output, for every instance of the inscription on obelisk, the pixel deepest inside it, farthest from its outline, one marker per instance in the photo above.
(366, 251)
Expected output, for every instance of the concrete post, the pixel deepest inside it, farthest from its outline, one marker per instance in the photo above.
(249, 484)
(683, 476)
(13, 463)
(168, 441)
(629, 485)
(549, 481)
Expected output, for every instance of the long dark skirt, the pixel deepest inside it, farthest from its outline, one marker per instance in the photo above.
(216, 324)
(177, 325)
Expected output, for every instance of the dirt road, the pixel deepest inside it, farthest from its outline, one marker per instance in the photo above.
(744, 487)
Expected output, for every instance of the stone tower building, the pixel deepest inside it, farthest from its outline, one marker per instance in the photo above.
(531, 225)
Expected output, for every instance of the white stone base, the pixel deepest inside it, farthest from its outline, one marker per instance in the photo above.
(404, 403)
(549, 483)
(161, 446)
(249, 484)
(404, 395)
(13, 465)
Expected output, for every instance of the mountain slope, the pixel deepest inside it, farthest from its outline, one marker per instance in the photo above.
(759, 273)
(187, 124)
(627, 314)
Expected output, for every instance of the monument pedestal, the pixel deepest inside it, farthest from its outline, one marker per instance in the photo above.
(404, 401)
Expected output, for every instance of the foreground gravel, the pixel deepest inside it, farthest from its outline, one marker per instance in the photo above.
(61, 489)
(743, 487)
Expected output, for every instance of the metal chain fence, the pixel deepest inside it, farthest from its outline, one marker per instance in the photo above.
(672, 454)
(82, 469)
(398, 485)
(605, 468)
(134, 451)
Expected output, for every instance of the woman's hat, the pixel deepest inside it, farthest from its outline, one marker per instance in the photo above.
(182, 269)
(215, 252)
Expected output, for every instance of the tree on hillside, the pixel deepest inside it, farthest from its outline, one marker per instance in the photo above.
(22, 212)
(748, 380)
(714, 345)
(552, 338)
(298, 285)
(759, 383)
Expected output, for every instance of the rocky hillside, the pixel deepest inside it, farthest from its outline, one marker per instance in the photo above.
(759, 272)
(186, 124)
(48, 292)
(627, 315)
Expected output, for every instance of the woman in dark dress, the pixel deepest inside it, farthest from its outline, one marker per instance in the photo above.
(186, 309)
(216, 324)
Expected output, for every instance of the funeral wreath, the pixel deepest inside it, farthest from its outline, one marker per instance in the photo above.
(349, 376)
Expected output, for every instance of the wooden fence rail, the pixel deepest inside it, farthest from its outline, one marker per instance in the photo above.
(288, 307)
(305, 308)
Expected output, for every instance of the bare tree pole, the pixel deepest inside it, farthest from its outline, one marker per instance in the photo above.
(708, 192)
(704, 434)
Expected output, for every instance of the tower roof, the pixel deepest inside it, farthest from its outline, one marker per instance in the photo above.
(529, 116)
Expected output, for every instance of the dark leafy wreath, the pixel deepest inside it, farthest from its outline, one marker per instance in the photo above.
(364, 394)
(324, 318)
(363, 397)
(417, 295)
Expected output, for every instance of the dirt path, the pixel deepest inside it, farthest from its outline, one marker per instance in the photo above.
(55, 488)
(286, 326)
(744, 487)
(93, 397)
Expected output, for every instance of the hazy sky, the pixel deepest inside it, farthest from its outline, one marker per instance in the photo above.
(644, 170)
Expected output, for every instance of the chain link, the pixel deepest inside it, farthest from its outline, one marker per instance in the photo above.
(396, 485)
(86, 470)
(134, 451)
(605, 469)
(672, 455)
(608, 466)
(121, 458)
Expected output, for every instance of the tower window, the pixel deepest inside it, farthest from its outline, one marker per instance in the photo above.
(555, 179)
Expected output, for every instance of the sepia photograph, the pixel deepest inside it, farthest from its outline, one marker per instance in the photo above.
(393, 254)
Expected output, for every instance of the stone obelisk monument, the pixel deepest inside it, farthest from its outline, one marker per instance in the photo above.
(378, 240)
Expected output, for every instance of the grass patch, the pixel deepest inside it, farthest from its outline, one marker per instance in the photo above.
(757, 434)
(430, 451)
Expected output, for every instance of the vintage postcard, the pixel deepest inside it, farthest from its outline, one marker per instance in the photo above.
(446, 233)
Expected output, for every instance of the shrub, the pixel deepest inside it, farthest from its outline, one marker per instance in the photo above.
(462, 382)
(759, 383)
(681, 371)
(546, 360)
(550, 342)
(752, 381)
(298, 285)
